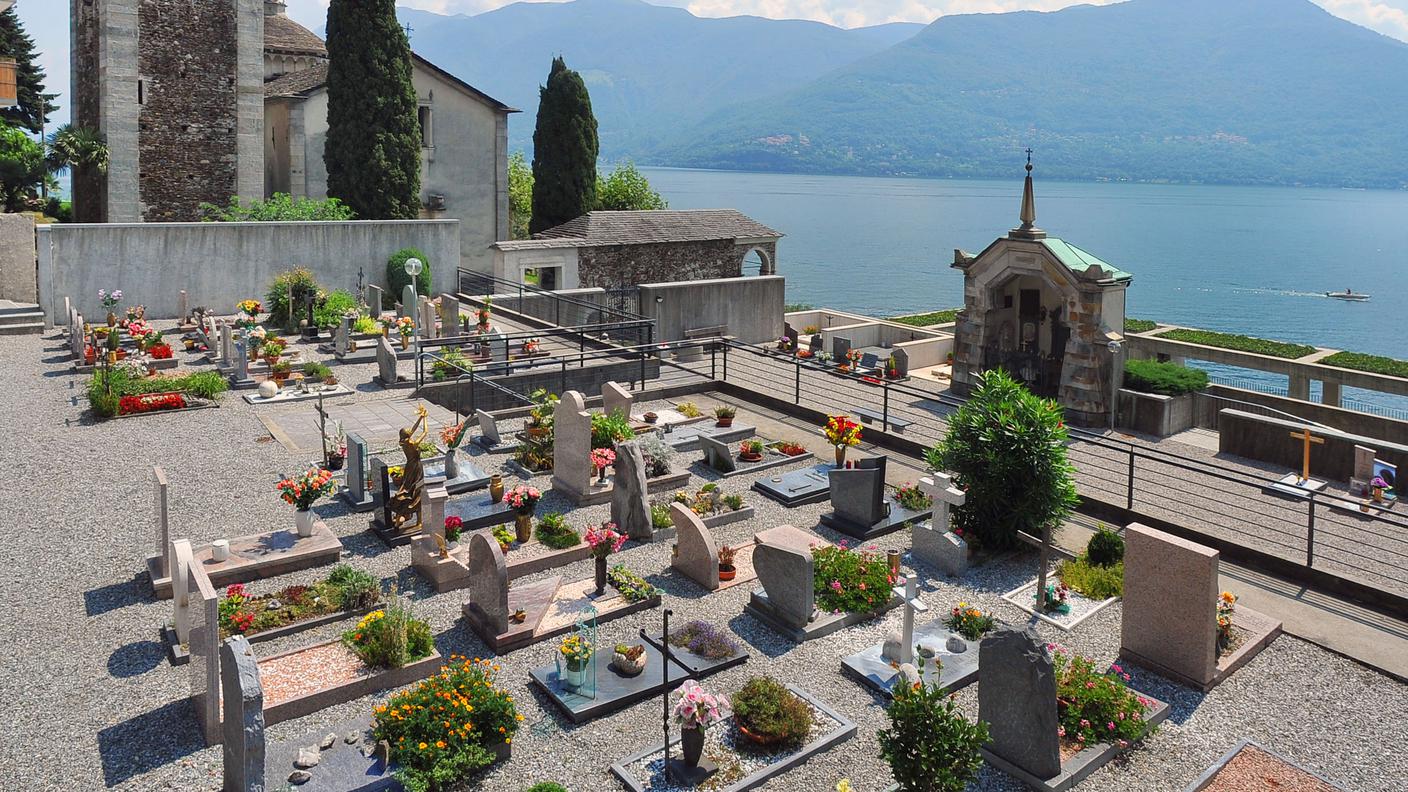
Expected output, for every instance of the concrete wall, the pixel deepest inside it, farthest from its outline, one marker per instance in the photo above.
(510, 264)
(1348, 421)
(1154, 413)
(924, 347)
(1269, 440)
(218, 264)
(750, 308)
(587, 379)
(17, 279)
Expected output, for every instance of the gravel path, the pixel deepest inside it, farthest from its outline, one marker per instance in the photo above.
(92, 703)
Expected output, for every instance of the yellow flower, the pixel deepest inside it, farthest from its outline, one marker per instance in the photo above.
(440, 744)
(422, 746)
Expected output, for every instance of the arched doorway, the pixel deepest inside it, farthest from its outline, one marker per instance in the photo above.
(757, 262)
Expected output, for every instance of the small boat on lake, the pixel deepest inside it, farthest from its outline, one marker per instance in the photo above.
(1349, 295)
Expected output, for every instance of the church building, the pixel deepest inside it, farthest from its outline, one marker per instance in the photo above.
(1049, 313)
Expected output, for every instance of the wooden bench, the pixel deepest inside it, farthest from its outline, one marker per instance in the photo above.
(868, 415)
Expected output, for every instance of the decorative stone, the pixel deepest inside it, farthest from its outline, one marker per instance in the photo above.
(300, 777)
(697, 555)
(891, 648)
(909, 673)
(352, 738)
(243, 722)
(1017, 699)
(308, 757)
(328, 740)
(268, 389)
(629, 508)
(1161, 569)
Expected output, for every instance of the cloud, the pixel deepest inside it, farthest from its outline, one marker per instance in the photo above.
(1385, 18)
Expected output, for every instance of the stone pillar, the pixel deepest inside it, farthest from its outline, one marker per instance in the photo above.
(243, 727)
(1330, 393)
(1299, 387)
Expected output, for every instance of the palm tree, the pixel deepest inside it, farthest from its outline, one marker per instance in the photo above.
(78, 148)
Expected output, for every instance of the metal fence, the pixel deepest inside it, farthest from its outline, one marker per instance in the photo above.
(562, 310)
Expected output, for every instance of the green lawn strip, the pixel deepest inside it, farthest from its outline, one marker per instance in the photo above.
(1139, 325)
(1374, 364)
(926, 319)
(1240, 343)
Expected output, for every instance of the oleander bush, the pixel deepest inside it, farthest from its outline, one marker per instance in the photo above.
(769, 710)
(1240, 343)
(1169, 379)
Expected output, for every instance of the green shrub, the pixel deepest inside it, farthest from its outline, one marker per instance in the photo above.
(390, 637)
(660, 518)
(554, 532)
(929, 745)
(397, 279)
(449, 364)
(1007, 448)
(276, 299)
(357, 588)
(1169, 379)
(1139, 325)
(632, 587)
(850, 581)
(316, 371)
(1092, 580)
(1241, 343)
(1375, 364)
(337, 303)
(768, 709)
(547, 786)
(610, 429)
(280, 208)
(926, 319)
(1105, 547)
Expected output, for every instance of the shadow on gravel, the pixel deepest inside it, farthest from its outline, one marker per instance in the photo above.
(106, 599)
(148, 741)
(759, 636)
(136, 658)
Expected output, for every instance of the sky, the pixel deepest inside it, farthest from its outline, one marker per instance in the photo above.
(47, 20)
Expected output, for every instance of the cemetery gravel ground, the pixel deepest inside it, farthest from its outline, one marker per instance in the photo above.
(92, 703)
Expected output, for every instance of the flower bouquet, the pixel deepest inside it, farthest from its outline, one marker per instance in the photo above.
(110, 300)
(604, 541)
(602, 458)
(1226, 607)
(302, 492)
(697, 710)
(841, 432)
(523, 498)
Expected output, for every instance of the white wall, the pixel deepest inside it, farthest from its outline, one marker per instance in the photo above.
(219, 264)
(750, 308)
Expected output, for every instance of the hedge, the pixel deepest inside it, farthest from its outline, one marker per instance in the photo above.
(1241, 343)
(1169, 379)
(1375, 364)
(926, 319)
(1139, 325)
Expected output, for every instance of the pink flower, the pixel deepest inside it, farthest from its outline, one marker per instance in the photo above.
(1121, 715)
(1124, 743)
(1060, 731)
(1116, 668)
(1126, 677)
(1089, 685)
(835, 585)
(1110, 725)
(862, 585)
(1084, 724)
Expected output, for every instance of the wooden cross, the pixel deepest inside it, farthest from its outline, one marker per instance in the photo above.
(1305, 435)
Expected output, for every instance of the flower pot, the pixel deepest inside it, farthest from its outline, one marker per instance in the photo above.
(496, 488)
(727, 572)
(335, 461)
(840, 456)
(600, 576)
(724, 422)
(405, 342)
(190, 343)
(624, 664)
(303, 521)
(220, 550)
(651, 417)
(523, 528)
(692, 745)
(574, 677)
(536, 432)
(1378, 494)
(749, 456)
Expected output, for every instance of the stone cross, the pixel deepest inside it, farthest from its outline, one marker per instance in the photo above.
(1017, 699)
(572, 446)
(488, 581)
(696, 552)
(900, 649)
(386, 363)
(614, 397)
(449, 315)
(163, 521)
(940, 488)
(243, 696)
(629, 508)
(342, 336)
(935, 543)
(179, 562)
(425, 318)
(374, 300)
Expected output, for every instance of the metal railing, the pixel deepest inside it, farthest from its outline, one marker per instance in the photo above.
(1208, 407)
(1356, 405)
(500, 349)
(562, 310)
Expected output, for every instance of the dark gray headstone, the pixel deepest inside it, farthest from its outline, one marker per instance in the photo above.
(858, 493)
(1017, 699)
(901, 361)
(386, 362)
(356, 467)
(815, 344)
(869, 361)
(344, 333)
(791, 333)
(840, 345)
(629, 508)
(243, 727)
(717, 455)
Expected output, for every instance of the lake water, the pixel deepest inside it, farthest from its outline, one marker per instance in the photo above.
(1254, 260)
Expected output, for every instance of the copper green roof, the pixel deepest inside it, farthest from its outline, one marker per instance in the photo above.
(1077, 260)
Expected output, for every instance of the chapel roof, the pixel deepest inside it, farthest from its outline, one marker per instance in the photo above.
(647, 227)
(283, 35)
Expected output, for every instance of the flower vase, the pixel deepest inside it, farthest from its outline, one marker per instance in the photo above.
(496, 488)
(574, 678)
(692, 744)
(112, 319)
(600, 576)
(452, 464)
(1378, 494)
(840, 456)
(303, 520)
(335, 461)
(601, 475)
(523, 527)
(405, 342)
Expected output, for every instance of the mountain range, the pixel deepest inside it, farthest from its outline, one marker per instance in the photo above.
(1241, 91)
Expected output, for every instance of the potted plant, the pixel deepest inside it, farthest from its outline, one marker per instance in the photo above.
(302, 492)
(842, 433)
(602, 458)
(110, 301)
(574, 655)
(532, 346)
(523, 499)
(751, 450)
(504, 537)
(317, 372)
(651, 417)
(604, 541)
(249, 310)
(696, 711)
(629, 660)
(767, 713)
(726, 569)
(484, 315)
(724, 415)
(271, 347)
(1378, 485)
(453, 527)
(540, 415)
(279, 371)
(892, 368)
(406, 327)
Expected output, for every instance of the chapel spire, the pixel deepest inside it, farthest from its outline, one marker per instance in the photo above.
(1028, 229)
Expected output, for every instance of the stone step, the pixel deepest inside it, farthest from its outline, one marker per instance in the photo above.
(25, 328)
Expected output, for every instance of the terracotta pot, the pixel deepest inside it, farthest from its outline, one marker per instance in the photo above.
(496, 488)
(692, 744)
(727, 572)
(758, 739)
(523, 527)
(748, 456)
(724, 422)
(537, 431)
(112, 319)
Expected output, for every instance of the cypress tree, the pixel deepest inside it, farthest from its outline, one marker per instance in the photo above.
(373, 144)
(34, 105)
(564, 150)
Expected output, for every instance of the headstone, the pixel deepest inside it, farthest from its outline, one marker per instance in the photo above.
(901, 362)
(407, 307)
(1170, 604)
(243, 695)
(718, 456)
(488, 581)
(840, 345)
(240, 367)
(179, 563)
(815, 345)
(488, 429)
(629, 508)
(425, 318)
(1363, 469)
(498, 346)
(858, 493)
(374, 301)
(356, 474)
(1017, 699)
(449, 315)
(226, 344)
(183, 311)
(342, 336)
(696, 553)
(782, 559)
(163, 521)
(792, 335)
(614, 397)
(386, 363)
(935, 543)
(432, 509)
(572, 445)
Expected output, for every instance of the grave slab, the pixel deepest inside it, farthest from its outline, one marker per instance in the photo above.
(685, 437)
(552, 609)
(614, 690)
(898, 517)
(798, 487)
(822, 624)
(1292, 486)
(470, 477)
(289, 395)
(256, 557)
(958, 670)
(733, 465)
(342, 768)
(477, 511)
(698, 665)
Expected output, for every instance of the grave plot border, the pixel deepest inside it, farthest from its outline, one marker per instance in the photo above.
(545, 679)
(729, 518)
(524, 639)
(1079, 767)
(177, 654)
(887, 690)
(332, 695)
(824, 624)
(1013, 597)
(255, 399)
(1204, 780)
(845, 730)
(744, 468)
(200, 404)
(516, 569)
(256, 570)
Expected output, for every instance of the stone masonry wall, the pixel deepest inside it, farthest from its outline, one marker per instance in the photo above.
(629, 265)
(188, 59)
(89, 189)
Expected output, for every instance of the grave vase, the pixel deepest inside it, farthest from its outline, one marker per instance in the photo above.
(600, 576)
(303, 521)
(452, 463)
(840, 456)
(523, 527)
(692, 744)
(574, 676)
(496, 488)
(405, 342)
(112, 319)
(1378, 494)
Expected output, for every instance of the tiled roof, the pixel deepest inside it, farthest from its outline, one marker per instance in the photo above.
(652, 227)
(296, 84)
(282, 34)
